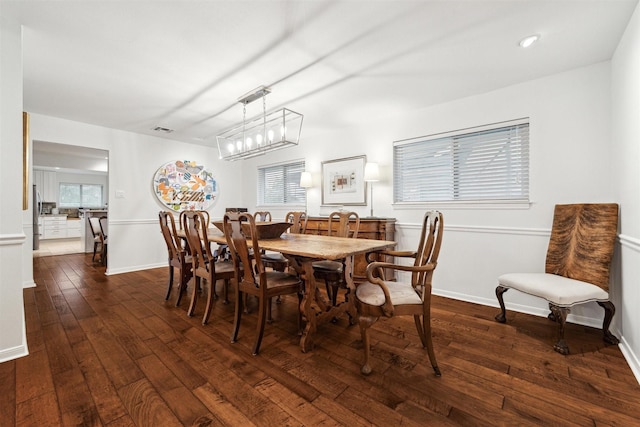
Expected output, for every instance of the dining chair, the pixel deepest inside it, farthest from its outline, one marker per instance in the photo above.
(262, 216)
(251, 276)
(104, 238)
(178, 257)
(298, 219)
(276, 260)
(203, 263)
(98, 238)
(346, 224)
(577, 266)
(378, 297)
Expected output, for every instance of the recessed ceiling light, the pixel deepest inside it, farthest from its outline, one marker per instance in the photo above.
(529, 40)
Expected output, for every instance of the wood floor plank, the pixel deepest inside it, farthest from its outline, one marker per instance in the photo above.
(109, 350)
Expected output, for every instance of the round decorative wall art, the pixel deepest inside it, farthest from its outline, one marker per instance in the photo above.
(185, 185)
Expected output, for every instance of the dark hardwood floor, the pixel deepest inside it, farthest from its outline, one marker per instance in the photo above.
(110, 351)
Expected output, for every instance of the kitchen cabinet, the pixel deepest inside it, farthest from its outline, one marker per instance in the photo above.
(370, 228)
(47, 184)
(54, 227)
(73, 227)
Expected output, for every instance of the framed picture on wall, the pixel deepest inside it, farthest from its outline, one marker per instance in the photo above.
(343, 181)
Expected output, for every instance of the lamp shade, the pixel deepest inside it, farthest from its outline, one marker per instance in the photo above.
(371, 172)
(305, 180)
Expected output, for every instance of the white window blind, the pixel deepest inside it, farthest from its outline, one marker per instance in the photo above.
(480, 164)
(280, 184)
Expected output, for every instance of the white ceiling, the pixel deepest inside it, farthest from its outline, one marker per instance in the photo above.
(182, 64)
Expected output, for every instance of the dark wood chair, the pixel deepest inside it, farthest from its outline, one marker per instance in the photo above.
(577, 266)
(204, 264)
(178, 257)
(99, 240)
(341, 224)
(103, 221)
(251, 276)
(378, 297)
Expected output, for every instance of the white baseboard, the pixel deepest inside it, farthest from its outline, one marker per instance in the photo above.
(630, 357)
(13, 353)
(133, 268)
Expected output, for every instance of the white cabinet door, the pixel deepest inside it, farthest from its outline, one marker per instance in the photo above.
(73, 227)
(55, 227)
(38, 180)
(50, 187)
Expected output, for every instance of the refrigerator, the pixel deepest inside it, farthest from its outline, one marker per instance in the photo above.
(37, 211)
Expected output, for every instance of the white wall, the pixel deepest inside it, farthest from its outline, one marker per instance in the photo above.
(625, 147)
(570, 162)
(135, 241)
(13, 246)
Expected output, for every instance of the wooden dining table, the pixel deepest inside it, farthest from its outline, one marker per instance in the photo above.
(302, 250)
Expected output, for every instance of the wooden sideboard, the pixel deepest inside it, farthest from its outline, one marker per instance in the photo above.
(370, 228)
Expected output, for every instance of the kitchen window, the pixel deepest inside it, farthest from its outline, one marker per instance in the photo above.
(490, 163)
(280, 184)
(80, 195)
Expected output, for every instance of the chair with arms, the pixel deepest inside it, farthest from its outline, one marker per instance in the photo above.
(346, 224)
(576, 269)
(251, 276)
(203, 262)
(178, 257)
(378, 297)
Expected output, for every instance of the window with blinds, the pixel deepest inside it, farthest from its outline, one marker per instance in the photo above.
(280, 184)
(479, 164)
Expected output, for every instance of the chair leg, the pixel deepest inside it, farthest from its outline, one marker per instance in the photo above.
(560, 315)
(184, 279)
(194, 296)
(269, 318)
(210, 298)
(237, 316)
(95, 249)
(170, 283)
(262, 317)
(502, 316)
(609, 311)
(225, 291)
(424, 331)
(365, 323)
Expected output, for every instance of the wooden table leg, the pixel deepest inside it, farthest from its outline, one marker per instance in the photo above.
(351, 290)
(306, 307)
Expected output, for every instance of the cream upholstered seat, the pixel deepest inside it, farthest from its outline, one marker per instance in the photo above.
(577, 266)
(380, 297)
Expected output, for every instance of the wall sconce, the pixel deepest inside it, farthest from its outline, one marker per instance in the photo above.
(371, 175)
(306, 183)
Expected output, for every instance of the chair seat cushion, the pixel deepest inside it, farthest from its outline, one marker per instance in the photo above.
(400, 293)
(326, 265)
(273, 257)
(279, 279)
(559, 290)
